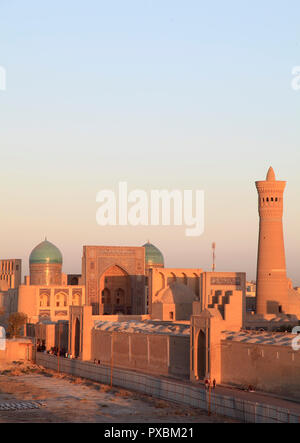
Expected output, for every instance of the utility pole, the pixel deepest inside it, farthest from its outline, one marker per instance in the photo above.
(209, 399)
(58, 353)
(214, 256)
(112, 360)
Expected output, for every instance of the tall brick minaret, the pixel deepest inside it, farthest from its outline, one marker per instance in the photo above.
(272, 284)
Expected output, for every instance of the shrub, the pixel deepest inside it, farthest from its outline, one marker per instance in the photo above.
(16, 322)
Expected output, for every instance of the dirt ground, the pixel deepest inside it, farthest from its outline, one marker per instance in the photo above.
(73, 400)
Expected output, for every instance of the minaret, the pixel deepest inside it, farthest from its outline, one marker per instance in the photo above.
(272, 284)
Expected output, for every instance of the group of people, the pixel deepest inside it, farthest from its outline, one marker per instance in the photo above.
(40, 347)
(53, 351)
(208, 384)
(212, 385)
(61, 353)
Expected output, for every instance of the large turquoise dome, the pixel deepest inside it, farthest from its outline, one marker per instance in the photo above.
(153, 256)
(46, 253)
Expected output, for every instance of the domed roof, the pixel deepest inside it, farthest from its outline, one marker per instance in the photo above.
(45, 253)
(153, 255)
(176, 293)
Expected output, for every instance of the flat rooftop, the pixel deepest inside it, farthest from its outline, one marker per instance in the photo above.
(260, 338)
(145, 327)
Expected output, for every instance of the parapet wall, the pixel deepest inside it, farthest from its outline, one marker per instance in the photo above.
(16, 350)
(120, 317)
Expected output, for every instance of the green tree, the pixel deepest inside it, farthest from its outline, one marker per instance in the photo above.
(16, 322)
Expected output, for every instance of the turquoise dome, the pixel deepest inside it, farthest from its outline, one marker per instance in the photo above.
(153, 256)
(46, 253)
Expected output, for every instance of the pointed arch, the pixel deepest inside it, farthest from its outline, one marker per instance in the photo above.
(200, 363)
(172, 278)
(115, 290)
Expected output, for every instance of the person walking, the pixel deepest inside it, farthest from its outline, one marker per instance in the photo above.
(206, 384)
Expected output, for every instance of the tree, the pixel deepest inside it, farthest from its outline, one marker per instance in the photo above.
(16, 322)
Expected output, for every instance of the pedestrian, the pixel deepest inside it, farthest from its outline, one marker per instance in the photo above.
(214, 383)
(251, 388)
(206, 384)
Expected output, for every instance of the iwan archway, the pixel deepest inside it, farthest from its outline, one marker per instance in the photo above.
(201, 360)
(77, 338)
(115, 292)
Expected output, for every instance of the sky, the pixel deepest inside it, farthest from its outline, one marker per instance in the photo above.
(162, 94)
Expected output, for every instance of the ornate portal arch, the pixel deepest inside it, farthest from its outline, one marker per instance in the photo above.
(115, 291)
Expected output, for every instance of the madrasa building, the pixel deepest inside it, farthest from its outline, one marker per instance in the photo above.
(114, 281)
(123, 281)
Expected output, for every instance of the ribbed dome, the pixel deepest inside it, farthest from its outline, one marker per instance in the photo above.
(153, 255)
(46, 253)
(176, 293)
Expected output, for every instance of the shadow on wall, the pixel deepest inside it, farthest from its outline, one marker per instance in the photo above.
(273, 307)
(119, 293)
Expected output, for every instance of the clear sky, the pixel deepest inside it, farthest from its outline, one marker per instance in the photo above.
(160, 93)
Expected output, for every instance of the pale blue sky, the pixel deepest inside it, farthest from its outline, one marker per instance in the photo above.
(161, 93)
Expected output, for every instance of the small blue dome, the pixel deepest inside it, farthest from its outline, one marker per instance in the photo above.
(153, 256)
(46, 253)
